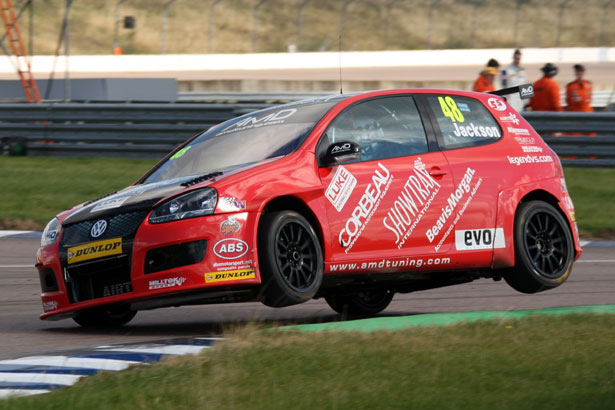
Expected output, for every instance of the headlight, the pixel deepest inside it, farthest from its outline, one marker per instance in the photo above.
(51, 232)
(190, 205)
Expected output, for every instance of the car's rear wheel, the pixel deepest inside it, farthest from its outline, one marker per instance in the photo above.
(368, 302)
(290, 257)
(105, 317)
(544, 248)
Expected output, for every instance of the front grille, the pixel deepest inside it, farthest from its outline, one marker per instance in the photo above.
(123, 225)
(107, 277)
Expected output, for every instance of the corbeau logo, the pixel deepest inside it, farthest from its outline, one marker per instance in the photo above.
(98, 228)
(94, 250)
(496, 104)
(230, 248)
(230, 275)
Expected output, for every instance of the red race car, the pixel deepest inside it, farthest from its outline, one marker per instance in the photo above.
(352, 198)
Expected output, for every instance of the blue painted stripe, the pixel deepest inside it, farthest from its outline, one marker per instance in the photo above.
(29, 386)
(135, 357)
(26, 368)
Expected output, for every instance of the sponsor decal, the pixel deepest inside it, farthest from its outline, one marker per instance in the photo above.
(463, 107)
(472, 130)
(230, 248)
(234, 203)
(526, 91)
(275, 118)
(233, 265)
(340, 188)
(454, 199)
(94, 250)
(531, 148)
(389, 263)
(229, 226)
(337, 149)
(497, 104)
(181, 152)
(366, 207)
(511, 117)
(117, 289)
(50, 305)
(450, 109)
(98, 228)
(412, 203)
(518, 131)
(472, 239)
(525, 140)
(110, 204)
(166, 283)
(243, 274)
(529, 159)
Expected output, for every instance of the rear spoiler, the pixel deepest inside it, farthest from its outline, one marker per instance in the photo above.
(525, 91)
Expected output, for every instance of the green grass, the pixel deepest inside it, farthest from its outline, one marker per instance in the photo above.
(593, 193)
(35, 189)
(536, 363)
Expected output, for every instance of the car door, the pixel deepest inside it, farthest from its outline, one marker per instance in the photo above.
(468, 135)
(379, 205)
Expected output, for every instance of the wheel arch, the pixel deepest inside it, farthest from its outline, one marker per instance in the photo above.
(293, 203)
(508, 205)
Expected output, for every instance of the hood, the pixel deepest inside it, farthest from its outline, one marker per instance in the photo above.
(133, 198)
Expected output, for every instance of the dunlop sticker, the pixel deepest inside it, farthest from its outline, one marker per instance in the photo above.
(243, 274)
(94, 250)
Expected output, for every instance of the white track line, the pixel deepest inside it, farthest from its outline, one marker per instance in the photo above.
(64, 361)
(173, 349)
(4, 393)
(596, 261)
(61, 379)
(15, 266)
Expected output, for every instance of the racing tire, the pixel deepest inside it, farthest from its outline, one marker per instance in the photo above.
(363, 303)
(544, 248)
(104, 317)
(290, 258)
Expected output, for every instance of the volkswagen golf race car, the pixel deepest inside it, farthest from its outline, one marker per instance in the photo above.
(352, 198)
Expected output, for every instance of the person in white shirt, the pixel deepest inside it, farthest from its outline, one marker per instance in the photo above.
(511, 76)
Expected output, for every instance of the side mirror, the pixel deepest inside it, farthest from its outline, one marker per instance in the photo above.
(339, 152)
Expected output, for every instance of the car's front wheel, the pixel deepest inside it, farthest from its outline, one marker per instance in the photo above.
(104, 317)
(368, 302)
(544, 248)
(290, 258)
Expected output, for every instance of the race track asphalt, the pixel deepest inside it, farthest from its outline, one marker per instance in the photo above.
(591, 283)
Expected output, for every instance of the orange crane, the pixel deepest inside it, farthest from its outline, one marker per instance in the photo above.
(21, 61)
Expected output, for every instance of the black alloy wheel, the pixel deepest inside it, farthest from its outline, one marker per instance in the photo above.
(544, 248)
(290, 258)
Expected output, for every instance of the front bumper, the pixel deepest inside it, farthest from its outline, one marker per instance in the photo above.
(201, 260)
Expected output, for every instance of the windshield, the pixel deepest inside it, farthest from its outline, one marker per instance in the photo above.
(254, 137)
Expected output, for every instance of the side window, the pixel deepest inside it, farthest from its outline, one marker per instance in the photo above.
(384, 128)
(463, 122)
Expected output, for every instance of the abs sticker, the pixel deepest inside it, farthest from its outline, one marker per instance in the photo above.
(243, 274)
(472, 239)
(450, 109)
(230, 248)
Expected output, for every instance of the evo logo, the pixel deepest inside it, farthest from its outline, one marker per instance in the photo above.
(472, 239)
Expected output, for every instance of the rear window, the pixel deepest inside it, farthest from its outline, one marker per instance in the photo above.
(463, 122)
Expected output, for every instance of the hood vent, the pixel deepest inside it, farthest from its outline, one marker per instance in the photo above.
(201, 178)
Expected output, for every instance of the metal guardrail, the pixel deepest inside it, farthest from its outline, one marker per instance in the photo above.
(152, 130)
